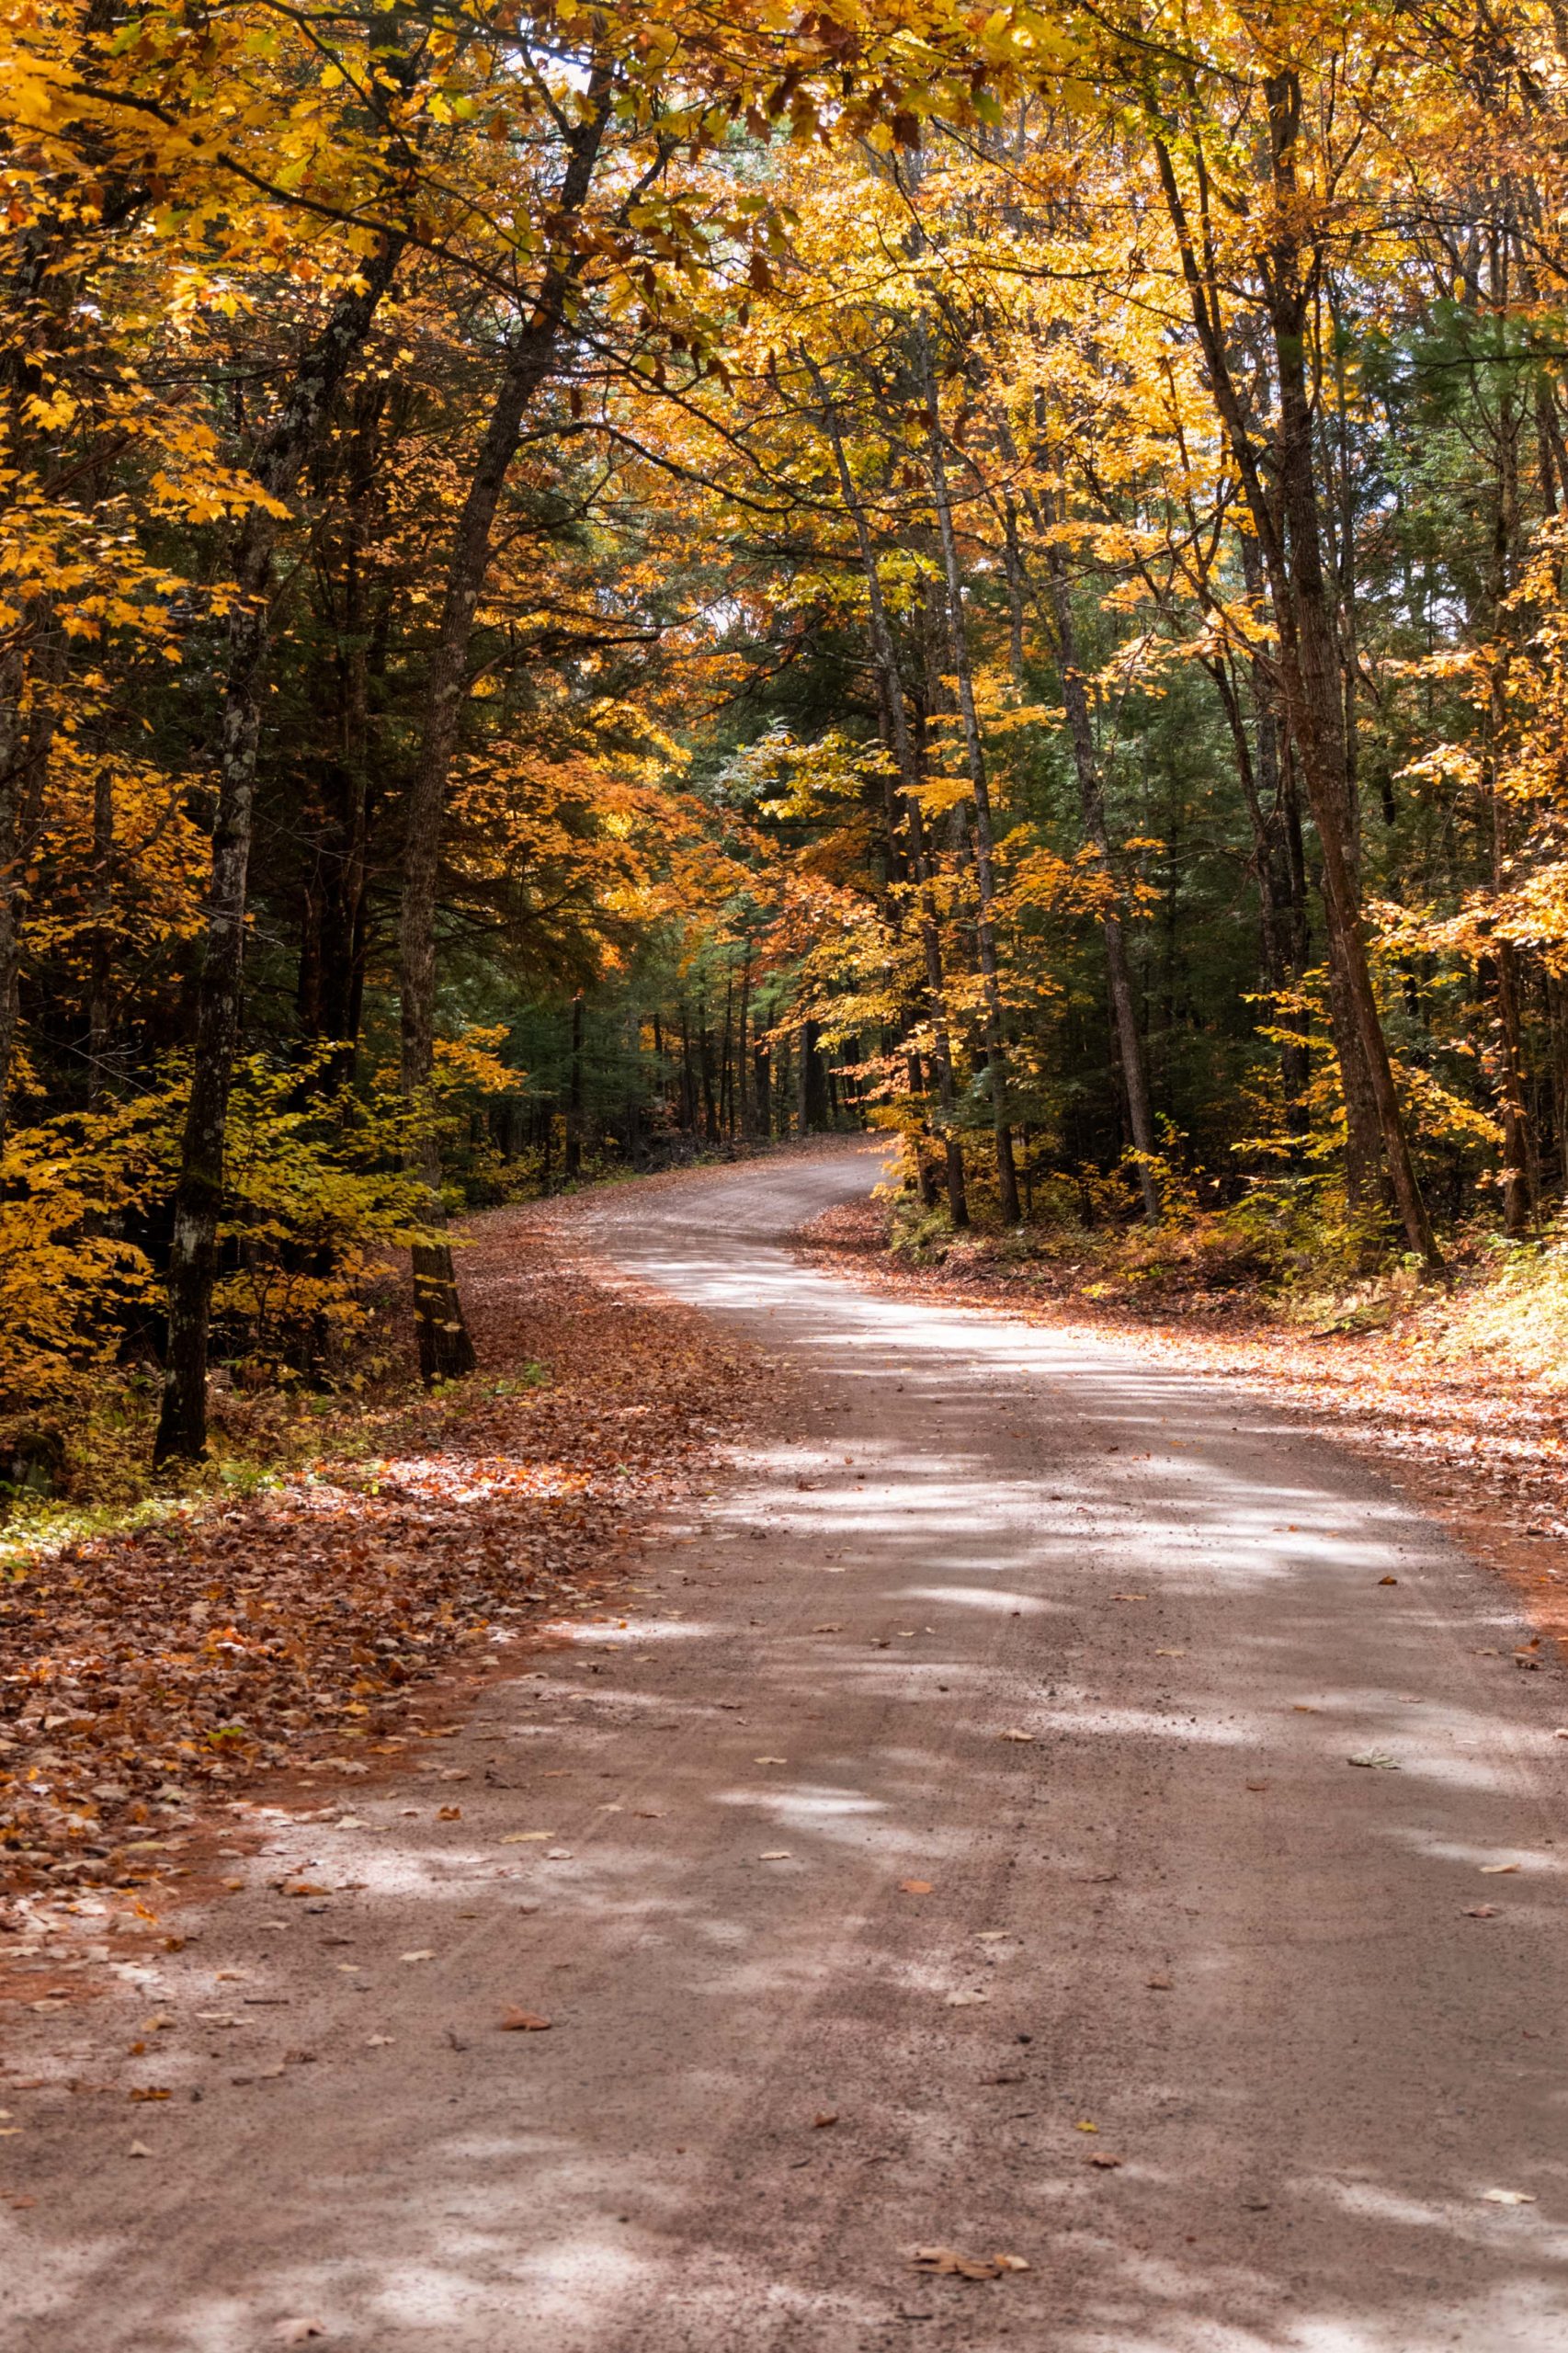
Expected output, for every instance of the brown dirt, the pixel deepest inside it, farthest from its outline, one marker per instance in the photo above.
(1472, 1445)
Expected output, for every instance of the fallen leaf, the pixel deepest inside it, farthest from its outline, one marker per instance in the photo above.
(1481, 1912)
(523, 2022)
(1170, 1653)
(1130, 1597)
(775, 1855)
(827, 2116)
(139, 2149)
(1158, 1984)
(1375, 1757)
(770, 1760)
(378, 2042)
(1083, 2125)
(915, 1886)
(827, 1630)
(1387, 1580)
(966, 1999)
(1013, 1734)
(1496, 1870)
(424, 1953)
(1257, 1785)
(448, 1814)
(558, 1854)
(1509, 2196)
(1108, 2163)
(948, 2262)
(525, 1837)
(149, 2091)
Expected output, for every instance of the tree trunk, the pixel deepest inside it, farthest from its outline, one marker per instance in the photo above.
(573, 1160)
(1291, 539)
(446, 1351)
(743, 1048)
(1519, 1185)
(1091, 803)
(806, 1101)
(711, 1131)
(905, 753)
(687, 1079)
(726, 1088)
(996, 1049)
(199, 1198)
(101, 953)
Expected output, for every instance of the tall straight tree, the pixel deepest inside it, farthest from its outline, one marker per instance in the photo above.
(295, 432)
(979, 790)
(446, 1350)
(1279, 484)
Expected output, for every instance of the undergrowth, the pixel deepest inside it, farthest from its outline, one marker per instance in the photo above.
(1290, 1252)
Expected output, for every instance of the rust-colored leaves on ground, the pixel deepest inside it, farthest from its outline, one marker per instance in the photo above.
(145, 1672)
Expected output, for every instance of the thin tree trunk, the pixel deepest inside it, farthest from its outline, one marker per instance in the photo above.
(995, 1048)
(762, 1091)
(101, 954)
(742, 1105)
(711, 1129)
(726, 1089)
(905, 753)
(573, 1160)
(804, 1104)
(1091, 803)
(1518, 1190)
(687, 1079)
(13, 765)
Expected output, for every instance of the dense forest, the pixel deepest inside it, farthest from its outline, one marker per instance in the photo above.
(582, 586)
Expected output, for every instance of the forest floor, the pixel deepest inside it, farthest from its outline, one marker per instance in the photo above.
(1476, 1437)
(876, 1866)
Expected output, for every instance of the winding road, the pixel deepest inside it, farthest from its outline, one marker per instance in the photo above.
(1044, 1805)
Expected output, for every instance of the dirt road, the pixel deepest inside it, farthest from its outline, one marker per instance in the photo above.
(1034, 1761)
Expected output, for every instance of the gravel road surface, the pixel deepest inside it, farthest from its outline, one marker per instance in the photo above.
(1046, 1806)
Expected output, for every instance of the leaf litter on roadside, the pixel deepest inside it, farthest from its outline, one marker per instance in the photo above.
(144, 1672)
